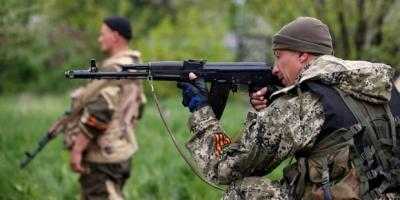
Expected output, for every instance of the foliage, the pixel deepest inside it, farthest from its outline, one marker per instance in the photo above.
(158, 171)
(42, 38)
(362, 29)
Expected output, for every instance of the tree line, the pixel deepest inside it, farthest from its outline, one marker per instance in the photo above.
(42, 38)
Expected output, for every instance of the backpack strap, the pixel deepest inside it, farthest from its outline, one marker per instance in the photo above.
(365, 113)
(392, 126)
(331, 143)
(326, 186)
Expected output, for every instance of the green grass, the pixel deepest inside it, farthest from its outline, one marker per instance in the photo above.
(158, 171)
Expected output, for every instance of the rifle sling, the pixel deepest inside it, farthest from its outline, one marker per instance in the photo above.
(180, 151)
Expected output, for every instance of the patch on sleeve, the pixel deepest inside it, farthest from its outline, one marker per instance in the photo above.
(220, 141)
(93, 122)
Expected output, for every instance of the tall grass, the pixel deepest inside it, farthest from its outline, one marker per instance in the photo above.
(158, 171)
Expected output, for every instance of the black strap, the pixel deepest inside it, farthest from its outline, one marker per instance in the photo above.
(337, 140)
(365, 121)
(367, 156)
(302, 177)
(392, 126)
(326, 187)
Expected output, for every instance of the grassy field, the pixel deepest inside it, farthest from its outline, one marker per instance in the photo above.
(158, 171)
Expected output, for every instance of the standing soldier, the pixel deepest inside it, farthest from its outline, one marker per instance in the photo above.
(102, 140)
(339, 118)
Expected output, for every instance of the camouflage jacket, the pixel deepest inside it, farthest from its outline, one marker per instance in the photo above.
(111, 109)
(289, 125)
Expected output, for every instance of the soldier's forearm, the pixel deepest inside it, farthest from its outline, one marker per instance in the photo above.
(207, 143)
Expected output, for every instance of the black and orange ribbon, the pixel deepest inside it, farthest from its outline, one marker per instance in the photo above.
(95, 123)
(220, 141)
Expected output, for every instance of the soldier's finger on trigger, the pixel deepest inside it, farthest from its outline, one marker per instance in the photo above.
(258, 97)
(257, 102)
(254, 95)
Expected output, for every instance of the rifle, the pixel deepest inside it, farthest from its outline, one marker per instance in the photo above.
(224, 76)
(56, 128)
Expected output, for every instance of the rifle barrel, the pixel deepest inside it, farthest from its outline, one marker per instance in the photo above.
(85, 74)
(31, 155)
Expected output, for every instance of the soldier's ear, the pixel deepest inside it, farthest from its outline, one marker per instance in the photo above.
(115, 36)
(303, 57)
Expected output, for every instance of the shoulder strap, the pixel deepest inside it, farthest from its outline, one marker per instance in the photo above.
(363, 115)
(375, 138)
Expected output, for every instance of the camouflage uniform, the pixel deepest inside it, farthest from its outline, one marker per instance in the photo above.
(111, 109)
(289, 125)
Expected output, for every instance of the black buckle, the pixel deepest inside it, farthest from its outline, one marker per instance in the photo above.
(368, 153)
(354, 130)
(371, 174)
(376, 194)
(397, 121)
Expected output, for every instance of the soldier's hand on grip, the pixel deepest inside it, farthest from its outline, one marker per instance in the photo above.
(258, 99)
(194, 94)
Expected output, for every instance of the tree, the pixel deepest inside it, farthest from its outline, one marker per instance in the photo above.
(362, 29)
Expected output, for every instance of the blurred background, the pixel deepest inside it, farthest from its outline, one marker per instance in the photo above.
(40, 39)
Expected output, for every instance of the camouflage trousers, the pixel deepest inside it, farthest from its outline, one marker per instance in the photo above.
(252, 188)
(105, 181)
(257, 188)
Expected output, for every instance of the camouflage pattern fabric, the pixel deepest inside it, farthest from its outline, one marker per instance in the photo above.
(256, 188)
(110, 113)
(269, 137)
(289, 125)
(111, 109)
(364, 80)
(105, 181)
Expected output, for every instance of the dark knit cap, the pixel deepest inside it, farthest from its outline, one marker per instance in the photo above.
(304, 34)
(119, 24)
